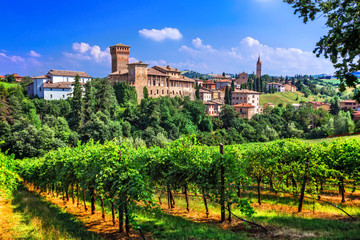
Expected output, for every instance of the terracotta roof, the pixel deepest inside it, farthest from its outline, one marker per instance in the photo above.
(57, 85)
(152, 71)
(68, 73)
(246, 91)
(204, 91)
(219, 76)
(120, 45)
(224, 80)
(2, 76)
(40, 77)
(318, 103)
(243, 105)
(17, 75)
(356, 113)
(207, 82)
(348, 101)
(182, 78)
(167, 68)
(213, 102)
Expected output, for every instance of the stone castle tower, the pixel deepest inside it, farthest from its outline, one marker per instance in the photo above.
(258, 68)
(119, 57)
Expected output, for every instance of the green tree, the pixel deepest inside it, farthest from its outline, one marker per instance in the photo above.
(105, 97)
(10, 78)
(145, 92)
(335, 106)
(197, 91)
(125, 94)
(227, 95)
(89, 101)
(342, 42)
(77, 106)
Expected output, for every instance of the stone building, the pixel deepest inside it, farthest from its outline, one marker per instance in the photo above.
(350, 104)
(243, 78)
(245, 110)
(278, 87)
(209, 84)
(223, 83)
(290, 88)
(160, 81)
(247, 96)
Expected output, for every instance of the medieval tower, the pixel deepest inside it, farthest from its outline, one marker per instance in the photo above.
(258, 68)
(119, 57)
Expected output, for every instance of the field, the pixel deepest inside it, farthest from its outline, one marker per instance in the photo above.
(285, 98)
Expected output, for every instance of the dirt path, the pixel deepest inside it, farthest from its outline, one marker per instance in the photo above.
(7, 219)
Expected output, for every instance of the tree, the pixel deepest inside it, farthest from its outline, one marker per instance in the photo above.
(342, 42)
(125, 94)
(197, 92)
(105, 97)
(227, 95)
(77, 106)
(10, 79)
(335, 106)
(145, 92)
(227, 114)
(89, 101)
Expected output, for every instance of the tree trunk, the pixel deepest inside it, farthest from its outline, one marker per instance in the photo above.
(102, 209)
(78, 194)
(342, 191)
(259, 189)
(72, 193)
(186, 198)
(84, 199)
(222, 186)
(294, 185)
(113, 212)
(92, 199)
(127, 218)
(168, 197)
(121, 215)
(229, 210)
(205, 203)
(67, 193)
(239, 189)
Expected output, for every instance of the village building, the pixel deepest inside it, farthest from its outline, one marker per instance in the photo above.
(350, 104)
(218, 77)
(243, 78)
(213, 107)
(247, 96)
(2, 77)
(278, 87)
(290, 88)
(17, 77)
(356, 115)
(245, 110)
(223, 83)
(268, 105)
(56, 84)
(318, 105)
(209, 84)
(205, 95)
(159, 80)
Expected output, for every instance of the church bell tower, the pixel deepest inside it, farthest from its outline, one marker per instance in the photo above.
(258, 68)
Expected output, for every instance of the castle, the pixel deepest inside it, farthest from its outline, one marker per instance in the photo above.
(160, 81)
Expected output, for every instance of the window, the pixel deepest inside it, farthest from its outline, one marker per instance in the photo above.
(157, 91)
(149, 82)
(40, 89)
(150, 92)
(67, 79)
(50, 95)
(63, 96)
(50, 89)
(162, 83)
(162, 91)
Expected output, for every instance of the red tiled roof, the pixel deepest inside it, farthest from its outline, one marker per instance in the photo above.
(2, 76)
(40, 77)
(68, 73)
(17, 75)
(318, 103)
(348, 101)
(182, 78)
(356, 113)
(243, 105)
(224, 80)
(167, 68)
(152, 71)
(120, 45)
(246, 91)
(219, 76)
(209, 82)
(57, 85)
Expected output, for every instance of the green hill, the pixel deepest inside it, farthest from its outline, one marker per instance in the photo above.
(285, 98)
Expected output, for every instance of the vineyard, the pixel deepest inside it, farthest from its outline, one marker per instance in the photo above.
(129, 179)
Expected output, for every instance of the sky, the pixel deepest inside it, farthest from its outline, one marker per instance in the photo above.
(206, 36)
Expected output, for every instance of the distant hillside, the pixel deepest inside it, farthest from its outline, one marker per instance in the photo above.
(193, 74)
(284, 98)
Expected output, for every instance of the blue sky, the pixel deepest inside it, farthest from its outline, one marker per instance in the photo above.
(206, 36)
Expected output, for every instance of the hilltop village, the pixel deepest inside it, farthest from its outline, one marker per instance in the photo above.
(242, 91)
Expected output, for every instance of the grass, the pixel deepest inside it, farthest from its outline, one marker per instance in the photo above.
(328, 139)
(38, 219)
(285, 98)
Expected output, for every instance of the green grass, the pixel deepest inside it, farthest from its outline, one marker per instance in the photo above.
(43, 220)
(284, 98)
(7, 85)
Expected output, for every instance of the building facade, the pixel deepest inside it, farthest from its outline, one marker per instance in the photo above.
(278, 87)
(160, 81)
(247, 96)
(243, 78)
(223, 83)
(350, 104)
(56, 84)
(290, 88)
(245, 110)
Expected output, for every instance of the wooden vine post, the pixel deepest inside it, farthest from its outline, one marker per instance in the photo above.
(222, 187)
(301, 201)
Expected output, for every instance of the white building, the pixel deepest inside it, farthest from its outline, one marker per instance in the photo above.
(278, 87)
(56, 84)
(247, 96)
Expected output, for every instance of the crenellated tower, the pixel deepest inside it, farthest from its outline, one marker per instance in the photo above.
(119, 57)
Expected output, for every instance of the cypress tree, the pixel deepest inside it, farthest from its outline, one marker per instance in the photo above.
(197, 92)
(89, 101)
(227, 97)
(105, 96)
(145, 92)
(77, 106)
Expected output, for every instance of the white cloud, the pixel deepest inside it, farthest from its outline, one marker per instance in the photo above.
(15, 59)
(83, 51)
(243, 57)
(133, 60)
(160, 35)
(34, 54)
